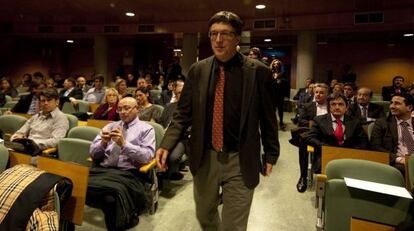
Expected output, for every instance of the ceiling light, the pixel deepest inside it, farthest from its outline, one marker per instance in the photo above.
(260, 6)
(177, 50)
(408, 35)
(70, 41)
(129, 14)
(268, 40)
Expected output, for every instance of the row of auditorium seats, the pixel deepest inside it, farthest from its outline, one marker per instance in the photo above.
(73, 151)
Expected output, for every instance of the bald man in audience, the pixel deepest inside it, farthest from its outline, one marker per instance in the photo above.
(364, 109)
(115, 184)
(394, 134)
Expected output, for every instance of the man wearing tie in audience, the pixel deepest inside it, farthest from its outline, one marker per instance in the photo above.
(225, 99)
(364, 109)
(394, 134)
(335, 129)
(118, 151)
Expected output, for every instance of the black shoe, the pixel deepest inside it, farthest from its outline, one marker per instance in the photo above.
(301, 186)
(176, 176)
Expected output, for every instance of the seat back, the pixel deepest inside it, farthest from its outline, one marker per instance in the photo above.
(4, 157)
(410, 172)
(74, 150)
(84, 133)
(342, 202)
(155, 95)
(385, 105)
(369, 130)
(9, 124)
(159, 107)
(68, 108)
(330, 153)
(159, 133)
(73, 121)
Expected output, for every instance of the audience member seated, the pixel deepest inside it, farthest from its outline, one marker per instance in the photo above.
(364, 109)
(57, 77)
(29, 104)
(302, 96)
(48, 126)
(349, 93)
(115, 184)
(26, 80)
(3, 99)
(96, 93)
(332, 85)
(167, 94)
(50, 83)
(310, 110)
(141, 82)
(38, 76)
(131, 81)
(122, 88)
(174, 159)
(161, 83)
(396, 88)
(335, 128)
(338, 88)
(70, 92)
(394, 134)
(107, 110)
(81, 84)
(146, 110)
(7, 88)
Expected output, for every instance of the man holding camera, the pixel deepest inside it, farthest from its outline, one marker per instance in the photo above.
(118, 151)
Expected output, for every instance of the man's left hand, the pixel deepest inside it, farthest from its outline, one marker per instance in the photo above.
(269, 168)
(117, 137)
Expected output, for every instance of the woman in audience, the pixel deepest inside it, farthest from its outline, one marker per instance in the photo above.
(122, 88)
(26, 80)
(7, 88)
(107, 110)
(50, 83)
(147, 111)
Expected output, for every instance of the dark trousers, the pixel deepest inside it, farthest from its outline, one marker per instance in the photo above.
(279, 107)
(304, 159)
(107, 203)
(175, 156)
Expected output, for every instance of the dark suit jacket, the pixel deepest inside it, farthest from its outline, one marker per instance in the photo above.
(76, 93)
(322, 133)
(165, 97)
(256, 109)
(375, 111)
(24, 104)
(388, 92)
(384, 136)
(308, 113)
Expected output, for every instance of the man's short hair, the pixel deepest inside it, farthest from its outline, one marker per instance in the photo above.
(369, 89)
(335, 96)
(352, 85)
(99, 77)
(228, 18)
(256, 51)
(408, 99)
(35, 84)
(72, 80)
(398, 77)
(50, 93)
(322, 85)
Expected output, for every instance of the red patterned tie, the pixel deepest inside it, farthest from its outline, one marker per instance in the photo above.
(339, 133)
(217, 128)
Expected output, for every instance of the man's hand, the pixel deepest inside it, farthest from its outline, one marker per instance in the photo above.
(17, 136)
(117, 137)
(161, 157)
(269, 168)
(105, 137)
(73, 101)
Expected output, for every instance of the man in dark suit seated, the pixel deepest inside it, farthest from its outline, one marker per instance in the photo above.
(30, 104)
(394, 134)
(364, 109)
(349, 93)
(310, 110)
(302, 96)
(396, 88)
(69, 92)
(335, 129)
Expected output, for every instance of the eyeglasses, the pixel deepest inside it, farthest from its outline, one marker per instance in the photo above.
(223, 34)
(124, 109)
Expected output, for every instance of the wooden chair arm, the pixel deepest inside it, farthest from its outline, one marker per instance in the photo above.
(148, 166)
(310, 148)
(49, 151)
(408, 185)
